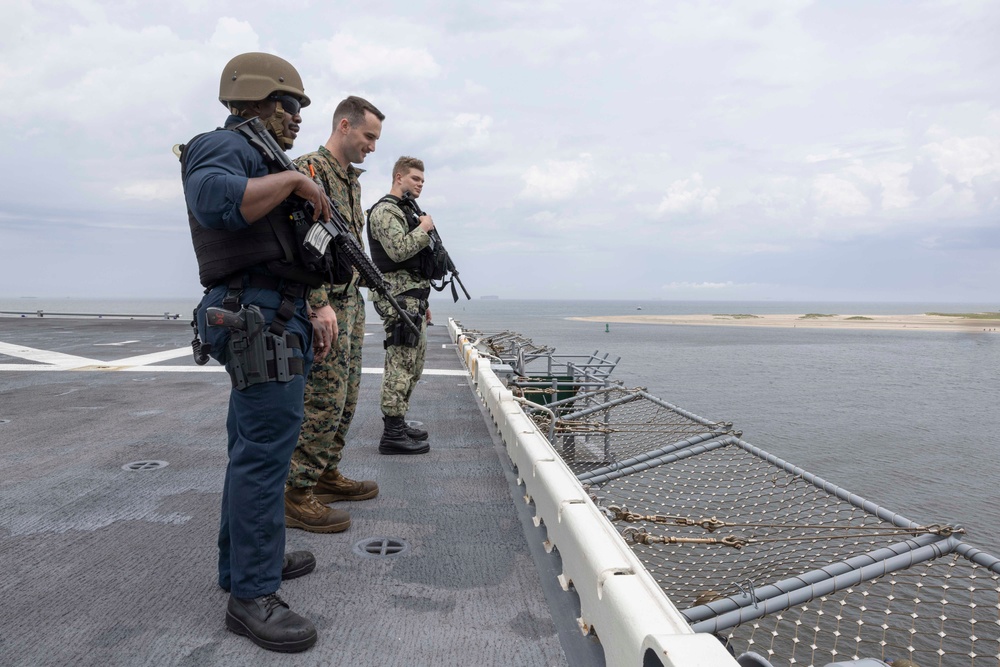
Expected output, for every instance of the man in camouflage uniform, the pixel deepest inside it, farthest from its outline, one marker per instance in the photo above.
(399, 245)
(331, 393)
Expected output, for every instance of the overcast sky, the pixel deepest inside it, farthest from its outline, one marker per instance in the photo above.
(780, 150)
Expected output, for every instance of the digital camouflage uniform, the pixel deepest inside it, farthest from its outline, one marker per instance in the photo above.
(331, 393)
(403, 365)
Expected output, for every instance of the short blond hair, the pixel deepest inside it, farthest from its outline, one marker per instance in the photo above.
(404, 164)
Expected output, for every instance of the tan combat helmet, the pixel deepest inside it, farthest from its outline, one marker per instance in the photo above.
(250, 77)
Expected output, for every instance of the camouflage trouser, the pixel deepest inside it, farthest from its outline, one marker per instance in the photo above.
(331, 396)
(403, 365)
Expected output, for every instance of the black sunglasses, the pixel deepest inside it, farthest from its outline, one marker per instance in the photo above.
(288, 103)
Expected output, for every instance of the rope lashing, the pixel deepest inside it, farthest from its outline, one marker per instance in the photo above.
(640, 536)
(711, 524)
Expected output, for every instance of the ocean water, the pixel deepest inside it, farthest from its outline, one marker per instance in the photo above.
(906, 419)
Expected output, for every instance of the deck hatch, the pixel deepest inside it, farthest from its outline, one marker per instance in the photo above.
(381, 547)
(145, 465)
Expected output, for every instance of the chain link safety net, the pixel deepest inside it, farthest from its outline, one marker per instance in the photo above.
(764, 555)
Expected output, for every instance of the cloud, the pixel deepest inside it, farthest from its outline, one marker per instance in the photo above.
(551, 224)
(234, 36)
(689, 196)
(445, 139)
(517, 108)
(556, 179)
(710, 290)
(474, 89)
(542, 217)
(476, 127)
(837, 197)
(878, 185)
(956, 200)
(769, 42)
(698, 286)
(106, 87)
(778, 198)
(532, 40)
(965, 158)
(157, 190)
(353, 60)
(894, 179)
(835, 154)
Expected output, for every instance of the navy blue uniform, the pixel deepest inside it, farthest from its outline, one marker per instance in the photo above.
(264, 419)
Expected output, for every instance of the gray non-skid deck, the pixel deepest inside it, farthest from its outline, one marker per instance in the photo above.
(103, 566)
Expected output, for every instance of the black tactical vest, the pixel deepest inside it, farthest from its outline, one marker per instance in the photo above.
(274, 242)
(421, 263)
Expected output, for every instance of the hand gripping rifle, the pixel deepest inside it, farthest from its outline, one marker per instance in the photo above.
(322, 232)
(437, 246)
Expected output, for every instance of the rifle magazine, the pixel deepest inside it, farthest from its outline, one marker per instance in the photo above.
(317, 240)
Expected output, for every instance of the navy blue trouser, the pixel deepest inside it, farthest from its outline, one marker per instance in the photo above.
(263, 426)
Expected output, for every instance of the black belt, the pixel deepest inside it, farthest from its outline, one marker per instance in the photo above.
(268, 282)
(290, 292)
(421, 293)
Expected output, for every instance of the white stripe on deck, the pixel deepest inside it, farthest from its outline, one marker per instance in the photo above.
(63, 361)
(427, 371)
(154, 357)
(57, 361)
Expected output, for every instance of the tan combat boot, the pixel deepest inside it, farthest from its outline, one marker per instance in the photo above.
(302, 510)
(332, 486)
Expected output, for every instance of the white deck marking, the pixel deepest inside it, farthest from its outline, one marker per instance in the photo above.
(63, 361)
(30, 367)
(124, 342)
(154, 357)
(427, 371)
(57, 361)
(212, 367)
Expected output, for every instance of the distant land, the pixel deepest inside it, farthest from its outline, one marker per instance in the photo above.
(925, 322)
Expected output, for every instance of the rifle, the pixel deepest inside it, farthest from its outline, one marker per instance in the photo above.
(322, 233)
(437, 245)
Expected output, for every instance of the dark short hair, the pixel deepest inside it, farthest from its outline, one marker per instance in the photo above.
(353, 108)
(406, 163)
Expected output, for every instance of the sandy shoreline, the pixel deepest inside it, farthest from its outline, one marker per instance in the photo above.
(871, 322)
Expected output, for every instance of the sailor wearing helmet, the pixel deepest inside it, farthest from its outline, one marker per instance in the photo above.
(248, 263)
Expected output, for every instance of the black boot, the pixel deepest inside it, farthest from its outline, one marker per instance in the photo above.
(396, 441)
(414, 432)
(270, 624)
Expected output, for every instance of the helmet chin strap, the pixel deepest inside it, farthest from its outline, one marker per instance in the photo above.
(276, 124)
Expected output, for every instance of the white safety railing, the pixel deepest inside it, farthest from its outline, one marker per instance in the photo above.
(620, 602)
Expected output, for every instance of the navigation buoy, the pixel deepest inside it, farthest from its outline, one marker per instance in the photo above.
(607, 328)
